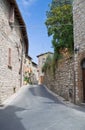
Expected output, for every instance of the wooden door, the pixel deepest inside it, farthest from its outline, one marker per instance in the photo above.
(41, 79)
(83, 70)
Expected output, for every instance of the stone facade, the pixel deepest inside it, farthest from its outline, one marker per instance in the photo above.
(79, 46)
(70, 74)
(41, 60)
(11, 77)
(63, 82)
(34, 77)
(27, 69)
(30, 71)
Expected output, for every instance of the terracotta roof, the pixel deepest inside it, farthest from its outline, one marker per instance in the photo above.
(44, 54)
(21, 22)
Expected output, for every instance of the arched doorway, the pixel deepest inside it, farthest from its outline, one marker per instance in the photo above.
(83, 77)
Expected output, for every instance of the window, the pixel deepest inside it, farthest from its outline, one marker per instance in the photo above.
(43, 61)
(9, 58)
(11, 16)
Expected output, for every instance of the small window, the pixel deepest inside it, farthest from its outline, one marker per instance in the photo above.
(9, 58)
(11, 16)
(43, 59)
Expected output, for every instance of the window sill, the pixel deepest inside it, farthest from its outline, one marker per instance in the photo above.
(10, 67)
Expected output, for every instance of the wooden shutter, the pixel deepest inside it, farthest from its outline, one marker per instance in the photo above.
(11, 15)
(9, 57)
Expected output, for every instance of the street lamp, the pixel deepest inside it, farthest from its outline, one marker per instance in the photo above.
(76, 49)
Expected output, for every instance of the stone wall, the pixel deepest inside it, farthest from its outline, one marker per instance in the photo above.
(79, 42)
(63, 82)
(10, 78)
(79, 23)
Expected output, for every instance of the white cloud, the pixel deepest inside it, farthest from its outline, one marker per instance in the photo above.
(28, 2)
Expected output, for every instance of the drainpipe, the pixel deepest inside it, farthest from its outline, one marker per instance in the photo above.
(76, 51)
(21, 68)
(21, 72)
(74, 87)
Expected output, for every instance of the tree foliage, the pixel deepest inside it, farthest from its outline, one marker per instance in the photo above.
(59, 24)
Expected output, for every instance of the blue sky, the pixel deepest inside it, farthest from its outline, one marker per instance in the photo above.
(34, 14)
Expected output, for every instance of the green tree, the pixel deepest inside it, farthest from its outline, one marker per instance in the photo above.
(59, 24)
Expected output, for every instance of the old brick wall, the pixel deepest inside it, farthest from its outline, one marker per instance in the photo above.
(9, 38)
(63, 82)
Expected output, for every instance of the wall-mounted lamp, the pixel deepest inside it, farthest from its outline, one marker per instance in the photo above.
(76, 49)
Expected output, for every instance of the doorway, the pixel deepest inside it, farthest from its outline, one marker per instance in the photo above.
(83, 78)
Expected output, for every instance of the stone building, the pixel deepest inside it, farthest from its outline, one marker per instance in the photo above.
(34, 77)
(79, 47)
(27, 69)
(30, 71)
(13, 47)
(41, 60)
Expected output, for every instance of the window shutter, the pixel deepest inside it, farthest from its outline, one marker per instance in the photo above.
(9, 57)
(11, 15)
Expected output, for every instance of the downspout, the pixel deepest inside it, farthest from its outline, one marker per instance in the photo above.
(21, 68)
(75, 73)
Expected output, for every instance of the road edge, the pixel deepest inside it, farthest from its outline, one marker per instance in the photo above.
(9, 100)
(61, 99)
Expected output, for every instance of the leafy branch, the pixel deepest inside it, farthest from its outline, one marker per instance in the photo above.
(60, 26)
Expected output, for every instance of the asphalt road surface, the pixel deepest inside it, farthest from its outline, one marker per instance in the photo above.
(34, 108)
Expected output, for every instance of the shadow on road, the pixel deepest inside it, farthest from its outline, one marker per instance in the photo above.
(41, 91)
(9, 119)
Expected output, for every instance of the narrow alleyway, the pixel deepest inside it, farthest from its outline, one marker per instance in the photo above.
(36, 109)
